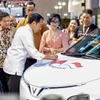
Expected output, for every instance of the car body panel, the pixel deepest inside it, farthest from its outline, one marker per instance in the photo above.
(76, 71)
(48, 74)
(70, 81)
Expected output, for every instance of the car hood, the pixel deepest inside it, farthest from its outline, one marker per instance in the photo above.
(64, 71)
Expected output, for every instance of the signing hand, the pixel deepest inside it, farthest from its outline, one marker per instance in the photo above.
(51, 57)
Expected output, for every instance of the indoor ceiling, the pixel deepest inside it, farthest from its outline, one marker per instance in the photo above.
(13, 2)
(17, 1)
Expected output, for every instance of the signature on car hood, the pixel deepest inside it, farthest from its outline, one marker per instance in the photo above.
(64, 71)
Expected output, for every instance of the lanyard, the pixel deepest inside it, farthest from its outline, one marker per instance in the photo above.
(85, 31)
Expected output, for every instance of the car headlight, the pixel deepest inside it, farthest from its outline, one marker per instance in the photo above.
(79, 97)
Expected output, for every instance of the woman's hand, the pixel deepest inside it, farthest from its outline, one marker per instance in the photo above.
(51, 57)
(54, 57)
(53, 51)
(50, 50)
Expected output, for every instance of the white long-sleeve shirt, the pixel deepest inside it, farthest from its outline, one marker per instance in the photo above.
(22, 46)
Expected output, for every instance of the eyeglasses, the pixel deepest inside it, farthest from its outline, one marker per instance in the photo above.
(57, 22)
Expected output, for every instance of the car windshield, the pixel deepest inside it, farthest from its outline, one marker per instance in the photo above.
(94, 52)
(88, 46)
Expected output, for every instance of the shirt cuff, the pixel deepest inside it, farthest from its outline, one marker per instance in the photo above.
(41, 56)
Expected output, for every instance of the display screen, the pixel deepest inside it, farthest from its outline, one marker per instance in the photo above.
(15, 11)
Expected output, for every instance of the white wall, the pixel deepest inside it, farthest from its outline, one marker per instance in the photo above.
(76, 9)
(88, 4)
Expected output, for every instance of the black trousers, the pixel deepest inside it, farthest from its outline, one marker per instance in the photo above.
(3, 81)
(13, 83)
(29, 62)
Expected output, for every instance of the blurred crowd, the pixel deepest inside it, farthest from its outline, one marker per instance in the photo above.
(47, 41)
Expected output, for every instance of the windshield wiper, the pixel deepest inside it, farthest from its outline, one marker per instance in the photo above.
(78, 54)
(92, 57)
(83, 55)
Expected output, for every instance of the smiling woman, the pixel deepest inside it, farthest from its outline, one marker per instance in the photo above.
(53, 40)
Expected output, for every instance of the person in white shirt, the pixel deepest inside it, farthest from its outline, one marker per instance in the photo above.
(22, 46)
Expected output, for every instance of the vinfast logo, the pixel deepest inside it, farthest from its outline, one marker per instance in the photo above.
(35, 90)
(63, 64)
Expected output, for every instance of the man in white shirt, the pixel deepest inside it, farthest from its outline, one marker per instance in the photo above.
(22, 46)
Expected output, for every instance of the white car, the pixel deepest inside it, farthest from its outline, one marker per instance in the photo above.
(76, 71)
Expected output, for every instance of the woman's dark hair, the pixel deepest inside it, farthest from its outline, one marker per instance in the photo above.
(88, 11)
(29, 3)
(3, 14)
(53, 15)
(80, 15)
(34, 17)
